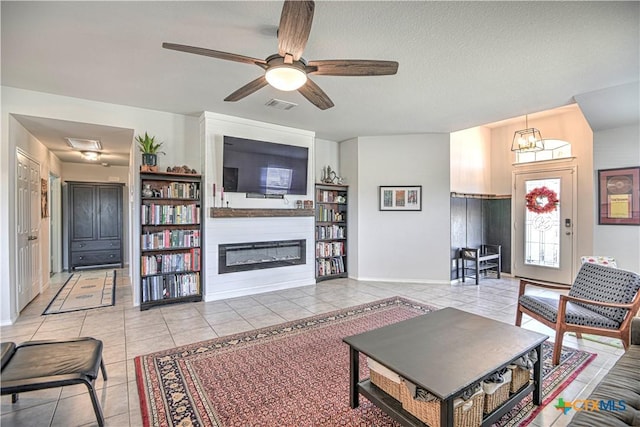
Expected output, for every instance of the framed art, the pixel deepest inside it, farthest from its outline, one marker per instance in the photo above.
(401, 198)
(619, 196)
(44, 200)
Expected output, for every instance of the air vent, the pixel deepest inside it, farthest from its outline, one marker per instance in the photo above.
(84, 144)
(280, 104)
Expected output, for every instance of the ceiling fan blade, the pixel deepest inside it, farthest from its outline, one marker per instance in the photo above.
(247, 89)
(315, 95)
(352, 67)
(215, 54)
(295, 26)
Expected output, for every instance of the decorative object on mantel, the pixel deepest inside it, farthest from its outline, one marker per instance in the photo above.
(542, 200)
(330, 176)
(149, 149)
(182, 169)
(528, 139)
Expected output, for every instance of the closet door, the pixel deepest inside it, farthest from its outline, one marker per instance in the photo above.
(82, 212)
(109, 219)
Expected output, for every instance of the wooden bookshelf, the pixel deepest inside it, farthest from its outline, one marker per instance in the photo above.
(331, 231)
(170, 239)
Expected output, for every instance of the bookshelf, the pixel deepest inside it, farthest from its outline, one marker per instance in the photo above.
(331, 231)
(170, 239)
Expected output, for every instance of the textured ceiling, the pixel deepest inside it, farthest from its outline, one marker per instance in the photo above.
(462, 64)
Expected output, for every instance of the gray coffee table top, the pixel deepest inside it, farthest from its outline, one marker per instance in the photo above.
(446, 350)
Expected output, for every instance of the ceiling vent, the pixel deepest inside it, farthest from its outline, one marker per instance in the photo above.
(84, 144)
(280, 104)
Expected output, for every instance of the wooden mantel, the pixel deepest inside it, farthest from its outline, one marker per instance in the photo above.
(255, 213)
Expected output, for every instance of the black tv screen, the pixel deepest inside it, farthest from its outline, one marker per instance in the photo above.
(251, 166)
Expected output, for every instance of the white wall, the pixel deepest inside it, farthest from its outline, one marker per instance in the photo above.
(179, 132)
(616, 148)
(471, 161)
(326, 154)
(401, 246)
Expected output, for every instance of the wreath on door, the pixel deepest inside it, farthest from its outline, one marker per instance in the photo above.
(542, 200)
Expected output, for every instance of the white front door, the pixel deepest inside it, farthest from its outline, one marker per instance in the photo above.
(543, 230)
(27, 229)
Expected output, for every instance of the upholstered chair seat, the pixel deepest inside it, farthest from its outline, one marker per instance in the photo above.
(601, 301)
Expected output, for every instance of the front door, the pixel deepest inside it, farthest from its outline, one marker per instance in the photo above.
(543, 211)
(27, 229)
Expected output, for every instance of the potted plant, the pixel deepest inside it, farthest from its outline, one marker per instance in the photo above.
(149, 148)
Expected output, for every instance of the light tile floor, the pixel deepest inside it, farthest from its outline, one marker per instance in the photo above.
(127, 332)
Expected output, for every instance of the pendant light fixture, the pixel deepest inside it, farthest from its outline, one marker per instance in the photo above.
(528, 139)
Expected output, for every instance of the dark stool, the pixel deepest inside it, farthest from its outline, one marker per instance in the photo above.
(37, 365)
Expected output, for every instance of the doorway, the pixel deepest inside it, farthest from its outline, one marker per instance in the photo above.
(28, 211)
(544, 241)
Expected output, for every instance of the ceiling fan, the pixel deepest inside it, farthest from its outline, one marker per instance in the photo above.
(287, 70)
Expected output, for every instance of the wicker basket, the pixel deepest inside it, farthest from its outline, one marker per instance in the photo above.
(385, 379)
(496, 396)
(465, 414)
(519, 377)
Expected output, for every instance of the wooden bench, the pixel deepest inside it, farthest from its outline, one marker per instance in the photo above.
(473, 261)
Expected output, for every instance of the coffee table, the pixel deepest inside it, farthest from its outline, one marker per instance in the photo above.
(443, 352)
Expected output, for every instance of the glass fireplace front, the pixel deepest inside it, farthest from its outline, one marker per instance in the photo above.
(236, 257)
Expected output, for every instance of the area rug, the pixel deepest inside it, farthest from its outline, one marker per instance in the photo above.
(292, 374)
(84, 291)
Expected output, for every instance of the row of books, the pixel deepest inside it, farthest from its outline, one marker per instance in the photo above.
(329, 215)
(327, 267)
(330, 232)
(153, 214)
(167, 239)
(329, 249)
(178, 190)
(170, 263)
(172, 286)
(330, 196)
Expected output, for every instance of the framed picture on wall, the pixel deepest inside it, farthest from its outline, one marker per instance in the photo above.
(619, 196)
(401, 198)
(44, 198)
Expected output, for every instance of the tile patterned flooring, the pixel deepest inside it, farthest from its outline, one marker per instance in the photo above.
(128, 332)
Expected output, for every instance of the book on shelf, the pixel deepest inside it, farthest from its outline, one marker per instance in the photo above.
(170, 263)
(325, 214)
(170, 286)
(168, 239)
(329, 249)
(328, 267)
(155, 214)
(330, 232)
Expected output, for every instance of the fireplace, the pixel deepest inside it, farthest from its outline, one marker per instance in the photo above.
(236, 257)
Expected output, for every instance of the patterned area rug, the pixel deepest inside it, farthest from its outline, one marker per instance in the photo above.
(91, 289)
(291, 374)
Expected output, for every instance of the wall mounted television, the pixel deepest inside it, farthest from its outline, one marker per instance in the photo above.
(251, 166)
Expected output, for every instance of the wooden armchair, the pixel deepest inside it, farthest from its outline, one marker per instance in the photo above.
(602, 301)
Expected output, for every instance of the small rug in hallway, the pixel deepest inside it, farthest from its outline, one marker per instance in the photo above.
(83, 291)
(290, 374)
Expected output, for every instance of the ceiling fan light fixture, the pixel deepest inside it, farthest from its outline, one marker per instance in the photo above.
(286, 77)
